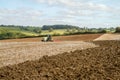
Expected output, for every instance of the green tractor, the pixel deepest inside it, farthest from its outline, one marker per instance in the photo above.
(47, 38)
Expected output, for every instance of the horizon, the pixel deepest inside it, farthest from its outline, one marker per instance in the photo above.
(88, 13)
(58, 24)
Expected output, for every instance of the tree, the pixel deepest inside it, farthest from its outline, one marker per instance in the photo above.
(117, 30)
(103, 31)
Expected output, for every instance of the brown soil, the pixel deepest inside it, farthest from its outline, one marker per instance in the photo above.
(100, 63)
(109, 37)
(17, 52)
(83, 37)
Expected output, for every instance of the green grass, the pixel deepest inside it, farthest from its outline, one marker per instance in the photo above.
(17, 30)
(11, 32)
(58, 31)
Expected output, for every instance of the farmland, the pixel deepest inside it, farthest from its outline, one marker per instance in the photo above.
(59, 39)
(17, 32)
(14, 51)
(76, 57)
(86, 37)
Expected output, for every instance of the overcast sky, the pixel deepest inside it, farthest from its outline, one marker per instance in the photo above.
(89, 13)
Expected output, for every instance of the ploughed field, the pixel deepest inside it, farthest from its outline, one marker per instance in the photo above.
(17, 52)
(14, 51)
(99, 63)
(60, 60)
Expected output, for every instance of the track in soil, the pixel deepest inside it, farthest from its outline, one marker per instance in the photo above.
(100, 63)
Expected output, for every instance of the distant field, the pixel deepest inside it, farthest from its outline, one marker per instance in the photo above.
(12, 30)
(54, 32)
(82, 37)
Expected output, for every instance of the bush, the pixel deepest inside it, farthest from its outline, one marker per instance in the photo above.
(102, 31)
(76, 33)
(117, 30)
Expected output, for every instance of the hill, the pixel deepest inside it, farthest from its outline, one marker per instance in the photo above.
(11, 31)
(15, 32)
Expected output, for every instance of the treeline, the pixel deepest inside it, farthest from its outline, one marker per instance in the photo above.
(71, 28)
(47, 27)
(54, 27)
(86, 30)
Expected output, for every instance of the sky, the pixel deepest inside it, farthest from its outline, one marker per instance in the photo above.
(83, 13)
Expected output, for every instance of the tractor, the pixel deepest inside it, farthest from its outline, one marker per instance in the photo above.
(47, 38)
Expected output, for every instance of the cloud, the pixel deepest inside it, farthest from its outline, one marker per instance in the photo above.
(76, 12)
(19, 15)
(56, 2)
(80, 9)
(21, 12)
(76, 4)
